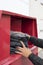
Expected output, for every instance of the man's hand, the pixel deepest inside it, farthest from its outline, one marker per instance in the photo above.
(23, 51)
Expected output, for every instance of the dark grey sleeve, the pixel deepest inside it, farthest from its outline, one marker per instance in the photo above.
(36, 41)
(35, 59)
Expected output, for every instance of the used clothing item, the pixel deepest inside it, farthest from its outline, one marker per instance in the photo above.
(15, 38)
(16, 42)
(35, 59)
(19, 34)
(12, 50)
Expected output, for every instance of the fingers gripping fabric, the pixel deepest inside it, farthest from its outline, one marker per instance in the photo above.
(15, 38)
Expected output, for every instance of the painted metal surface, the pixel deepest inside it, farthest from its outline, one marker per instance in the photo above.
(16, 22)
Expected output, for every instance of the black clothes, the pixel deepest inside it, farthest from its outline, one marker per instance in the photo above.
(15, 38)
(36, 41)
(35, 59)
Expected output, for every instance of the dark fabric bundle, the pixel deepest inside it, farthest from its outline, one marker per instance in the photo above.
(15, 38)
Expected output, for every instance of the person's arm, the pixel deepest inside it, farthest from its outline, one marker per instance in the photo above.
(35, 59)
(36, 41)
(26, 52)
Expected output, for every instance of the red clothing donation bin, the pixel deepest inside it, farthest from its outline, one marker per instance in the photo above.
(15, 22)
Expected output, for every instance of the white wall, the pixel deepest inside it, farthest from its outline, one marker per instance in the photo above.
(36, 10)
(18, 6)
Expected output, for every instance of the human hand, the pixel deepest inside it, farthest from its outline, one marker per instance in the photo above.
(24, 51)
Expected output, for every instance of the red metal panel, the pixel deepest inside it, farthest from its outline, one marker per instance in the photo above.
(15, 22)
(5, 31)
